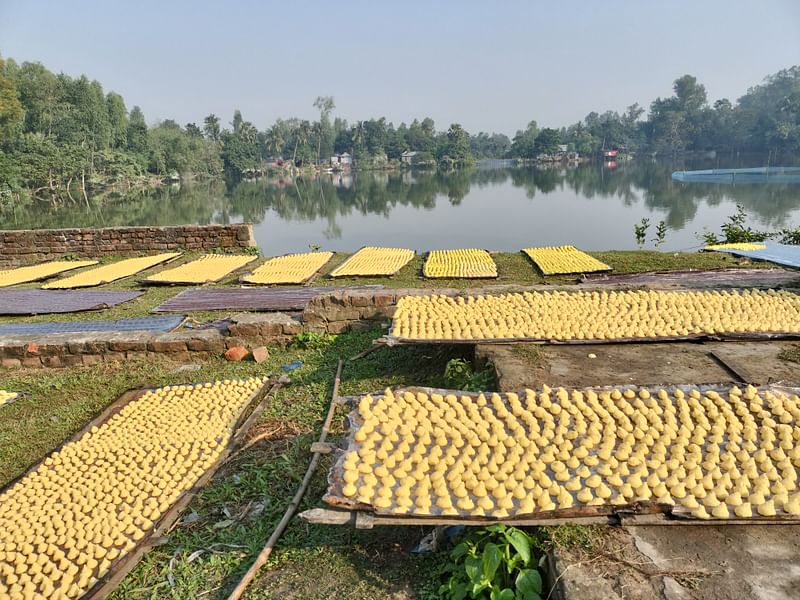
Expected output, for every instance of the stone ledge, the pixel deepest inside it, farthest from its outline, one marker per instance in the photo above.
(34, 245)
(70, 349)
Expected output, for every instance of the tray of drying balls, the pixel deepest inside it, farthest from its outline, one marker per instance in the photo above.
(79, 520)
(710, 452)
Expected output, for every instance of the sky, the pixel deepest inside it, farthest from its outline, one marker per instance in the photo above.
(490, 66)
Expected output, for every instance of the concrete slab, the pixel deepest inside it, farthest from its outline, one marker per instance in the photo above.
(528, 365)
(758, 562)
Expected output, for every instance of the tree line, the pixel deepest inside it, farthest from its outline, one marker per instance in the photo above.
(61, 136)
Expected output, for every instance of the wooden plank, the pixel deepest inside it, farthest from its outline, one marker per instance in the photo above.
(368, 520)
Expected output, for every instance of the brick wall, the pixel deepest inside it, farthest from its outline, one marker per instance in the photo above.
(18, 247)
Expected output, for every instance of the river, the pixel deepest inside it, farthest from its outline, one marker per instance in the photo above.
(593, 206)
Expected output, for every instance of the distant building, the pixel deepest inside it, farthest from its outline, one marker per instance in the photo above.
(341, 160)
(407, 157)
(563, 148)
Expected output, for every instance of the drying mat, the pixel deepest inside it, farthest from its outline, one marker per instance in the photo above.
(596, 317)
(40, 271)
(249, 298)
(564, 260)
(111, 272)
(289, 269)
(372, 261)
(467, 263)
(780, 254)
(165, 458)
(210, 268)
(686, 451)
(43, 302)
(693, 278)
(155, 324)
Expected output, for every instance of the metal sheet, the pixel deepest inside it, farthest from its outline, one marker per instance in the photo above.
(43, 302)
(140, 324)
(711, 278)
(257, 299)
(780, 254)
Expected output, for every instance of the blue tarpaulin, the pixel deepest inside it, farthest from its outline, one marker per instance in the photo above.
(741, 176)
(780, 254)
(140, 324)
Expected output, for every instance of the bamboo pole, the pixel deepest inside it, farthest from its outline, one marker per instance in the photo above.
(263, 556)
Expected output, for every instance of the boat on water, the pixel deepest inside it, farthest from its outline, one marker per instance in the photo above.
(741, 176)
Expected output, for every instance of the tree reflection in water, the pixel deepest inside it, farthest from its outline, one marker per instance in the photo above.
(332, 196)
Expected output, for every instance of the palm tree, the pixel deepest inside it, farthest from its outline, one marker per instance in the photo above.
(275, 140)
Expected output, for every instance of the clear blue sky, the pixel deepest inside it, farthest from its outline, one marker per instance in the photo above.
(491, 66)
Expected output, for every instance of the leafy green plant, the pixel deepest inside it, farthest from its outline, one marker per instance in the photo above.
(661, 233)
(495, 563)
(459, 374)
(790, 236)
(310, 340)
(735, 231)
(640, 231)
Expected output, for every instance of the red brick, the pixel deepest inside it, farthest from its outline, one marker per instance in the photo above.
(260, 354)
(338, 327)
(384, 298)
(292, 328)
(236, 353)
(167, 346)
(196, 345)
(10, 363)
(71, 360)
(52, 361)
(92, 359)
(244, 330)
(114, 356)
(126, 346)
(32, 361)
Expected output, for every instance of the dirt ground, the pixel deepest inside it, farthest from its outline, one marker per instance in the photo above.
(667, 562)
(530, 365)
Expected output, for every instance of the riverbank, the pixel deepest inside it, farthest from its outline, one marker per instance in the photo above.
(513, 269)
(228, 522)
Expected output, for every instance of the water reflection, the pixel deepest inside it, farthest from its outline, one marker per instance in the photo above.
(588, 204)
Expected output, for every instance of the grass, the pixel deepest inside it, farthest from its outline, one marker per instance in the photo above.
(513, 269)
(236, 513)
(791, 354)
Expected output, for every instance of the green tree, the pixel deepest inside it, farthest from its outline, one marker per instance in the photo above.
(137, 132)
(522, 145)
(211, 127)
(324, 130)
(547, 141)
(118, 120)
(11, 113)
(455, 151)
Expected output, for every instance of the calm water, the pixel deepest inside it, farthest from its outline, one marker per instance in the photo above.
(591, 206)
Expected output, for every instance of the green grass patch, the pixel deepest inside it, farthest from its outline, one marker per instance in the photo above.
(791, 354)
